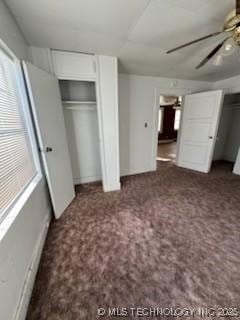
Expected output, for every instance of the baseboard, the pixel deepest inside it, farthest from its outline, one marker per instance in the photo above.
(113, 187)
(139, 171)
(32, 271)
(86, 179)
(236, 170)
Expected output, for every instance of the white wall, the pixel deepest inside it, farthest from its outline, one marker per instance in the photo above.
(41, 58)
(10, 33)
(81, 121)
(18, 246)
(138, 98)
(83, 142)
(230, 85)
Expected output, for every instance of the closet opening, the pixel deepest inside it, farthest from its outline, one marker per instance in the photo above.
(169, 117)
(81, 121)
(228, 138)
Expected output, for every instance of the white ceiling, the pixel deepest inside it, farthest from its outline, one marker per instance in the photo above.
(137, 31)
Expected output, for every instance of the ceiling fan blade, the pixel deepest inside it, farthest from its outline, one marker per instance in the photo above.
(212, 54)
(195, 41)
(237, 6)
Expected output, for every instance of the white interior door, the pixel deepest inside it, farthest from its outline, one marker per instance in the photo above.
(48, 116)
(200, 119)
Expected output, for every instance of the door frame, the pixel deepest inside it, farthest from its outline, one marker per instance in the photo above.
(168, 92)
(227, 91)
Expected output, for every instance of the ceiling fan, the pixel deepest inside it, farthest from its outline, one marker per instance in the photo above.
(231, 27)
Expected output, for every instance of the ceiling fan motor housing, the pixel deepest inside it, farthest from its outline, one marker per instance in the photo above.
(232, 21)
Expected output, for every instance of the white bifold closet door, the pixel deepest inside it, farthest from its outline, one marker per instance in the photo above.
(47, 110)
(200, 120)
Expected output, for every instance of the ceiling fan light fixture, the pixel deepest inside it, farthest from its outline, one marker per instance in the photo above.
(228, 48)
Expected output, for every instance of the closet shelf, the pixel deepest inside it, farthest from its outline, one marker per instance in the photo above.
(78, 102)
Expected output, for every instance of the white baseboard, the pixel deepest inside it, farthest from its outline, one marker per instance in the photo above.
(236, 170)
(86, 179)
(113, 187)
(32, 271)
(151, 168)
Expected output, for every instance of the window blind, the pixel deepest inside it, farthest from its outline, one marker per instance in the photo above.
(17, 165)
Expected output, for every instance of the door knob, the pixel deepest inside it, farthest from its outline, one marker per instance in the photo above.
(210, 137)
(49, 149)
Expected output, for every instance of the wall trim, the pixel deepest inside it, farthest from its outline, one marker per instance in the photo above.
(157, 93)
(112, 187)
(81, 180)
(32, 271)
(100, 123)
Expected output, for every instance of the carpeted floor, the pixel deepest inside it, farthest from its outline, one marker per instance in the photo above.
(168, 239)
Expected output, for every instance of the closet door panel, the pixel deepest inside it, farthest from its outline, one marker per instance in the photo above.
(82, 133)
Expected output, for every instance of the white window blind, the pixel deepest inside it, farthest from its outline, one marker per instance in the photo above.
(17, 167)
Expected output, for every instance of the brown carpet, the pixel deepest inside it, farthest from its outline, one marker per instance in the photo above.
(168, 239)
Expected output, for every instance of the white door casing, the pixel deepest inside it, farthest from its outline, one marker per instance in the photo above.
(162, 92)
(200, 120)
(47, 112)
(236, 169)
(107, 108)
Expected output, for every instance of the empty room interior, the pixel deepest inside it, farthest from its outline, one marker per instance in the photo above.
(119, 159)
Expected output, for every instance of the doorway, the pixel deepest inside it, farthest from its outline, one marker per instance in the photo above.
(81, 121)
(227, 144)
(169, 117)
(209, 131)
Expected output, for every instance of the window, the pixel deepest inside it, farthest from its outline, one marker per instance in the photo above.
(160, 119)
(177, 119)
(17, 165)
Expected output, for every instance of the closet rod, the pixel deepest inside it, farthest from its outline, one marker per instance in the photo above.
(78, 102)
